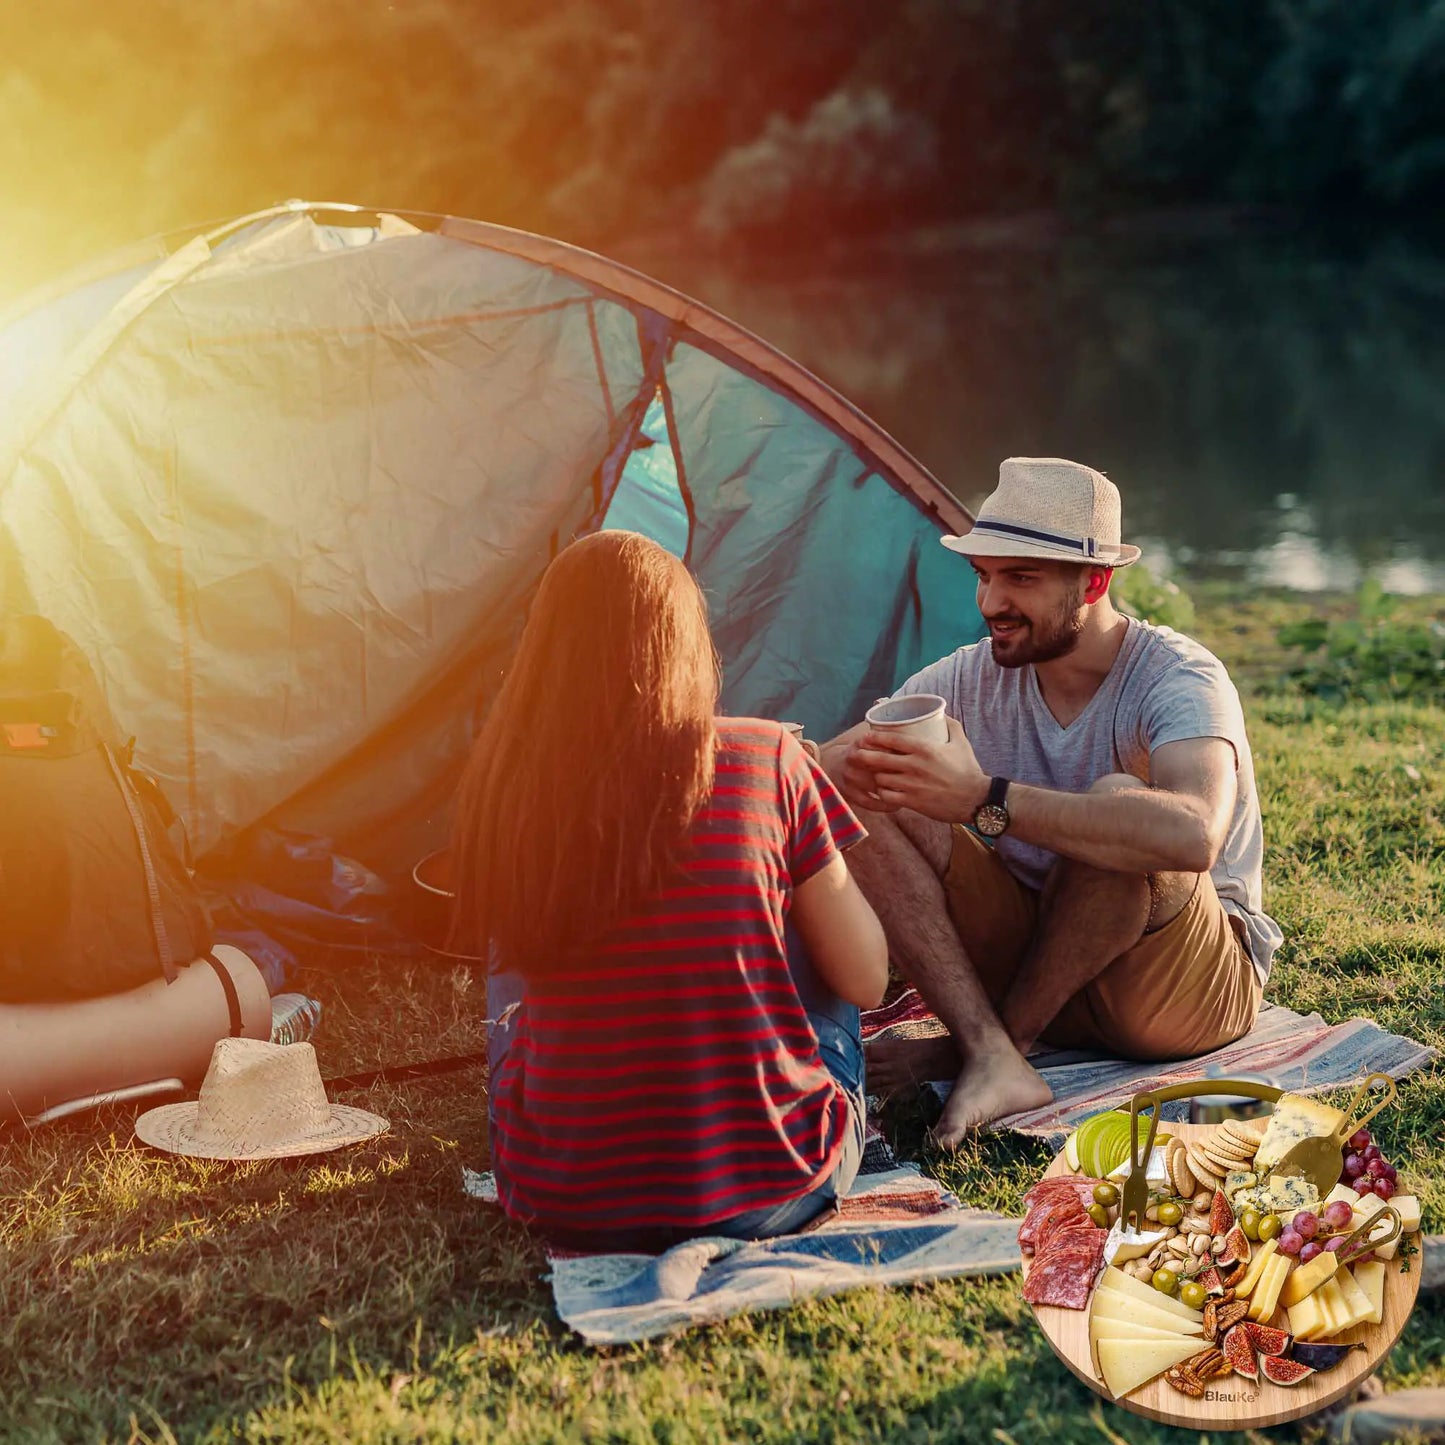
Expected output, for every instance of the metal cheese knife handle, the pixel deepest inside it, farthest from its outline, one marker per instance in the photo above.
(1356, 1245)
(1134, 1199)
(1319, 1159)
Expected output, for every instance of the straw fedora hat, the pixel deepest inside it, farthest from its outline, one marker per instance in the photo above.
(1049, 507)
(259, 1101)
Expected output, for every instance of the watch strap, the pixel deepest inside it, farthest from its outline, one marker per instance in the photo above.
(997, 792)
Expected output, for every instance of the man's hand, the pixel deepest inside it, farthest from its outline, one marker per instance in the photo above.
(939, 780)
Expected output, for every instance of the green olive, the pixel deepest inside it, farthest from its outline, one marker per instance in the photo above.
(1170, 1213)
(1099, 1215)
(1106, 1194)
(1192, 1293)
(1249, 1223)
(1166, 1281)
(1269, 1226)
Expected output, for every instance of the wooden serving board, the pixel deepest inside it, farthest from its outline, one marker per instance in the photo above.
(1235, 1403)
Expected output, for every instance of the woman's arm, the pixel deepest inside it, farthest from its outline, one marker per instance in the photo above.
(842, 934)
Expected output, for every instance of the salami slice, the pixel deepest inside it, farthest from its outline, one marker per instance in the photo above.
(1071, 1237)
(1066, 1212)
(1079, 1186)
(1064, 1275)
(1065, 1206)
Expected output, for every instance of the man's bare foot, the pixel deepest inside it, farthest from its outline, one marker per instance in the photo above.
(990, 1086)
(891, 1064)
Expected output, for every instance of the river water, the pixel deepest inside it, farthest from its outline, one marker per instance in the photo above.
(1272, 407)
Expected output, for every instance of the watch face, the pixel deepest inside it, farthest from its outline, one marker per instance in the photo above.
(991, 819)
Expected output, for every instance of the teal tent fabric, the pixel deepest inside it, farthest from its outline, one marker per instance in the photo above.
(291, 484)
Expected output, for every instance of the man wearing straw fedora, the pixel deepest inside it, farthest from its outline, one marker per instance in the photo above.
(1079, 864)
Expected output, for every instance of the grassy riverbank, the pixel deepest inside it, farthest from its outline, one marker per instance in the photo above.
(360, 1298)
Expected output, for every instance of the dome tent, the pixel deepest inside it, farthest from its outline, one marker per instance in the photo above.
(289, 482)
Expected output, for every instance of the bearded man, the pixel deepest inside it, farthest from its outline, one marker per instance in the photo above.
(1080, 863)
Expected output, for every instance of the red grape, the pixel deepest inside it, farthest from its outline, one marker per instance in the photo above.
(1386, 1171)
(1360, 1139)
(1364, 1258)
(1383, 1188)
(1364, 1185)
(1337, 1214)
(1336, 1243)
(1309, 1251)
(1354, 1166)
(1305, 1224)
(1371, 1153)
(1290, 1242)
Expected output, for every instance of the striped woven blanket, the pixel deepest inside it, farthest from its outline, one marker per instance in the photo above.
(1300, 1052)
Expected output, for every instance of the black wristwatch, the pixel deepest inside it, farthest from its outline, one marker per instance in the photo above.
(991, 820)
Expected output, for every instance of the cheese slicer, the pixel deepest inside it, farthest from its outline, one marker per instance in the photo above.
(1318, 1159)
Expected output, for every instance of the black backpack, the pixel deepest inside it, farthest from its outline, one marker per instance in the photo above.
(94, 896)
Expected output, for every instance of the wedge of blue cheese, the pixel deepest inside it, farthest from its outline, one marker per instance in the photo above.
(1288, 1196)
(1294, 1118)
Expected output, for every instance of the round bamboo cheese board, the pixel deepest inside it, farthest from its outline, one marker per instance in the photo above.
(1237, 1403)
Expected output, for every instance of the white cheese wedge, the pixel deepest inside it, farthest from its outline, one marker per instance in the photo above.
(1294, 1118)
(1115, 1281)
(1344, 1194)
(1124, 1244)
(1156, 1171)
(1127, 1364)
(1120, 1309)
(1370, 1278)
(1104, 1328)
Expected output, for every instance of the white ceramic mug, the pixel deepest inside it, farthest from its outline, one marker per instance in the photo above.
(920, 715)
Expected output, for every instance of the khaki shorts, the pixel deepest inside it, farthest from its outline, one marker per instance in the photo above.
(1182, 990)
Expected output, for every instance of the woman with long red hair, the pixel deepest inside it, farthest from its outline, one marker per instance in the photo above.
(635, 866)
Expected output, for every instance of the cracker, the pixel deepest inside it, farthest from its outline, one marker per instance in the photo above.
(1241, 1133)
(1184, 1182)
(1226, 1146)
(1202, 1168)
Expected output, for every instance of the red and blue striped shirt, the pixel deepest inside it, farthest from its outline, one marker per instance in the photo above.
(671, 1079)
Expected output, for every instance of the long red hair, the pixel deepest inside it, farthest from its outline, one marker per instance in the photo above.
(578, 797)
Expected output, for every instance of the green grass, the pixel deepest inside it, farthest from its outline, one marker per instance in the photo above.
(360, 1297)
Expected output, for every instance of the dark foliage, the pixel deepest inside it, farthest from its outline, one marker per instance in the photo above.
(753, 122)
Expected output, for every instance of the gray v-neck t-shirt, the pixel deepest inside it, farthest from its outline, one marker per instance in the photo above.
(1163, 688)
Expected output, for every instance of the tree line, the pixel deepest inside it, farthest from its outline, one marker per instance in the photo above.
(762, 124)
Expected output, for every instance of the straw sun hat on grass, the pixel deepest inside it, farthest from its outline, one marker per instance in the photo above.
(258, 1101)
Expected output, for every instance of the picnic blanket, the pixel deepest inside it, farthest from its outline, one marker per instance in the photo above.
(894, 1227)
(1300, 1052)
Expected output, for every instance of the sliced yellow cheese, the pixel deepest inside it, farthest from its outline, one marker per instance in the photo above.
(1309, 1277)
(1115, 1281)
(1370, 1277)
(1294, 1118)
(1127, 1364)
(1408, 1208)
(1262, 1256)
(1308, 1319)
(1343, 1194)
(1332, 1302)
(1131, 1311)
(1265, 1296)
(1358, 1304)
